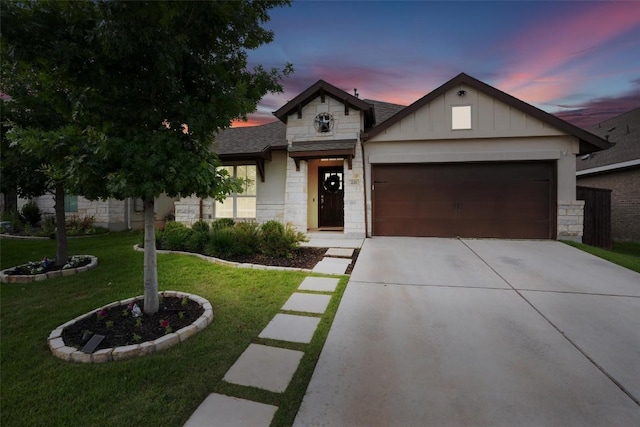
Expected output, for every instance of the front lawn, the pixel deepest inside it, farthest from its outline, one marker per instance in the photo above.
(162, 389)
(626, 254)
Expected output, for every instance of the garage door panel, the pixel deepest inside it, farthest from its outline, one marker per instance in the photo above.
(503, 200)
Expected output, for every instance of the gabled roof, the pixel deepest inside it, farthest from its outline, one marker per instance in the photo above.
(588, 142)
(384, 110)
(624, 132)
(250, 141)
(322, 88)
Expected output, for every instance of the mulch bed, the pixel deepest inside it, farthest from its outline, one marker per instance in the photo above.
(303, 257)
(21, 270)
(122, 329)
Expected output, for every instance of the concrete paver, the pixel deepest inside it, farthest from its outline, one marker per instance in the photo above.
(339, 252)
(319, 284)
(268, 368)
(288, 327)
(307, 303)
(332, 266)
(218, 410)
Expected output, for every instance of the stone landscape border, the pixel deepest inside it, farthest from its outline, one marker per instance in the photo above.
(28, 278)
(72, 354)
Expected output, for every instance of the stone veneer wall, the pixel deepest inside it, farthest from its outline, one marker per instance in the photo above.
(108, 213)
(269, 210)
(570, 220)
(187, 210)
(354, 224)
(295, 204)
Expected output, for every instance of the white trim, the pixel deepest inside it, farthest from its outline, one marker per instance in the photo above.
(465, 157)
(607, 168)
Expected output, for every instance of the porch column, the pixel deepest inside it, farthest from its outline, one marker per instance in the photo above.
(295, 198)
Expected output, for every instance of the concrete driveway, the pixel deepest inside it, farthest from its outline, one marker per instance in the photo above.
(448, 332)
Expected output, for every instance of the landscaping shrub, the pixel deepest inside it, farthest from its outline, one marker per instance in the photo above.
(197, 241)
(80, 226)
(279, 240)
(16, 221)
(222, 242)
(201, 225)
(49, 224)
(247, 237)
(222, 223)
(31, 213)
(174, 237)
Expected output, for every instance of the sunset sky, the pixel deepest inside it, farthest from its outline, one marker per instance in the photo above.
(577, 59)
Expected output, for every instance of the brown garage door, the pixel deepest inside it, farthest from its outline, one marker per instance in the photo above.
(502, 200)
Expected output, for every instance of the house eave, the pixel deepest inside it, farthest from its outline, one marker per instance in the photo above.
(608, 168)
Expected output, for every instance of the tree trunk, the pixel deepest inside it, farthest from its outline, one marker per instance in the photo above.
(151, 303)
(61, 226)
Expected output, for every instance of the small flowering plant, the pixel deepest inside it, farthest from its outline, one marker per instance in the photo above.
(164, 324)
(102, 314)
(76, 261)
(46, 264)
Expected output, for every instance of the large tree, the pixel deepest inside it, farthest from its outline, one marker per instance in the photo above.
(43, 137)
(160, 78)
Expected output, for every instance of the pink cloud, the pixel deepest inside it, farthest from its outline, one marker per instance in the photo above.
(598, 110)
(543, 70)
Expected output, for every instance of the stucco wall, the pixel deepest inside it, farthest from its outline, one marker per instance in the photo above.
(625, 201)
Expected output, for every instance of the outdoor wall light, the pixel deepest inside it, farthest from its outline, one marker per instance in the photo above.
(462, 92)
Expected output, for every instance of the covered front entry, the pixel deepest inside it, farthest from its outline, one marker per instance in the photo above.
(484, 199)
(331, 197)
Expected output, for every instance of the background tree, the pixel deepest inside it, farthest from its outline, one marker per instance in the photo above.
(43, 138)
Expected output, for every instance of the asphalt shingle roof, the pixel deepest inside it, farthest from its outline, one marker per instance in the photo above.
(384, 110)
(624, 132)
(250, 139)
(257, 139)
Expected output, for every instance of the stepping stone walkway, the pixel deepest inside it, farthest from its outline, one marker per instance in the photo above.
(267, 367)
(335, 261)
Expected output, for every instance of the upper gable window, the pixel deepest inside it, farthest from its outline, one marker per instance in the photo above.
(324, 122)
(461, 117)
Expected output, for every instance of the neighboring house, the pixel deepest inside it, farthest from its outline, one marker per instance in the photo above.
(116, 215)
(465, 160)
(617, 169)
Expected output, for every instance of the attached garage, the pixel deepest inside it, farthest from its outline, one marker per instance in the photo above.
(482, 199)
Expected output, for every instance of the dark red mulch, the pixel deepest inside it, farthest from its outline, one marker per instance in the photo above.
(124, 327)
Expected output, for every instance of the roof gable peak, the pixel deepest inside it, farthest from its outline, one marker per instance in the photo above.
(322, 88)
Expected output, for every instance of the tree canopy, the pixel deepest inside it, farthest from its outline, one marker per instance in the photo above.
(147, 84)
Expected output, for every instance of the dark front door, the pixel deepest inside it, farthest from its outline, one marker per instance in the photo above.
(331, 195)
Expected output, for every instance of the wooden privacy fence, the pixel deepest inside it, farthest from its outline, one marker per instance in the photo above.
(597, 216)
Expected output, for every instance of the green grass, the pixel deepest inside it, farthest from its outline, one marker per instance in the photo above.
(626, 254)
(160, 389)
